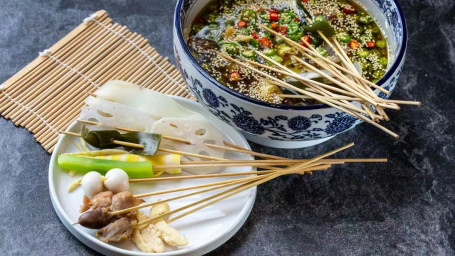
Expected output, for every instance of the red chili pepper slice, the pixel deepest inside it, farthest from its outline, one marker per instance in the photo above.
(282, 30)
(273, 10)
(371, 44)
(297, 19)
(348, 9)
(255, 35)
(353, 44)
(274, 16)
(234, 76)
(265, 42)
(305, 38)
(242, 24)
(304, 1)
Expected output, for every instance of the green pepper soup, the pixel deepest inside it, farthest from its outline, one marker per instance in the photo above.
(233, 27)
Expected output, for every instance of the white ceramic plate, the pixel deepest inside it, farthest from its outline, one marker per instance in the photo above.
(205, 229)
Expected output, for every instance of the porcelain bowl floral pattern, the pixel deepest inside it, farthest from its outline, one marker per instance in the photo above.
(279, 125)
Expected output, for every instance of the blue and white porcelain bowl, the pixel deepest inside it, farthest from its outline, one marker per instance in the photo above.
(277, 125)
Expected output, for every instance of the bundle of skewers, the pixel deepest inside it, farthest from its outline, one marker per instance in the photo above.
(119, 218)
(112, 159)
(346, 89)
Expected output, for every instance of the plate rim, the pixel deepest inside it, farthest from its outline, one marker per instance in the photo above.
(105, 248)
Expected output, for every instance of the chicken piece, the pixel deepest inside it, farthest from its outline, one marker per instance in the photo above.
(85, 204)
(148, 240)
(146, 237)
(118, 231)
(140, 242)
(102, 199)
(96, 218)
(160, 209)
(152, 236)
(140, 216)
(124, 200)
(169, 234)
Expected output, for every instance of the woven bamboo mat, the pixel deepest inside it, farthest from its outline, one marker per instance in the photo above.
(48, 94)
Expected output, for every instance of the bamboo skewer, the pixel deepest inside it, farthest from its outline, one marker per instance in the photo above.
(134, 130)
(135, 145)
(403, 102)
(326, 97)
(46, 95)
(228, 193)
(315, 96)
(306, 51)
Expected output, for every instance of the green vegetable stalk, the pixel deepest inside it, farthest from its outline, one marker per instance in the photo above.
(84, 164)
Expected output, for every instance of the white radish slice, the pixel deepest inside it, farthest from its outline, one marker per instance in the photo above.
(197, 132)
(92, 183)
(111, 114)
(154, 103)
(117, 180)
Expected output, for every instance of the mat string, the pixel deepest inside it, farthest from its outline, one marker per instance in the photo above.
(47, 53)
(31, 111)
(93, 18)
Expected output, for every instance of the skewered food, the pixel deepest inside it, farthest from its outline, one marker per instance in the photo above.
(116, 180)
(92, 183)
(117, 231)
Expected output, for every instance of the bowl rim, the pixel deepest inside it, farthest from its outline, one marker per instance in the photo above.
(187, 52)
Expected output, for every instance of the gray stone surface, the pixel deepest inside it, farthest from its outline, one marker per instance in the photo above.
(403, 207)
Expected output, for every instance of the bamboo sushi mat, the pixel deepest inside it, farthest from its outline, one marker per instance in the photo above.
(47, 95)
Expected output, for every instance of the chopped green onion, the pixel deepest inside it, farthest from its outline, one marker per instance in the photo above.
(344, 37)
(383, 61)
(381, 44)
(322, 51)
(283, 49)
(363, 53)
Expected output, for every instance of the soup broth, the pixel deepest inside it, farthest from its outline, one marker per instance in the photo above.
(233, 27)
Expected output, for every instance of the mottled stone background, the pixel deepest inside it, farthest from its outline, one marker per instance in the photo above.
(403, 207)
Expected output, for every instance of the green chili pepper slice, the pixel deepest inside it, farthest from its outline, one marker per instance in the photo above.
(296, 36)
(286, 17)
(254, 43)
(231, 48)
(248, 54)
(249, 15)
(293, 28)
(344, 38)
